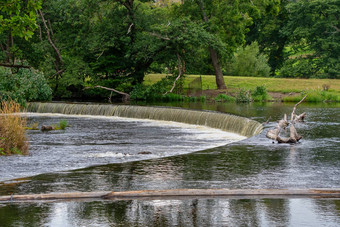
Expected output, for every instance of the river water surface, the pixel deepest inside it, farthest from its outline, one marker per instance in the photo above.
(136, 155)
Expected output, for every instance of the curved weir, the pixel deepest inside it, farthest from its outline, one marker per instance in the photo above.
(226, 122)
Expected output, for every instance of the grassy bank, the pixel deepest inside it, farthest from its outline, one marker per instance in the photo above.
(320, 89)
(12, 130)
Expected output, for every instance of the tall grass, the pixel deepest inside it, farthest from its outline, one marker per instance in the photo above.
(12, 129)
(224, 98)
(314, 96)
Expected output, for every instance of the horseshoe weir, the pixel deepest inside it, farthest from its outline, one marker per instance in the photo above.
(226, 122)
(119, 171)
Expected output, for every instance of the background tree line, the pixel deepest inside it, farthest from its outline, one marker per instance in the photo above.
(61, 47)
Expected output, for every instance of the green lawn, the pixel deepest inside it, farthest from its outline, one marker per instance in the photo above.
(283, 85)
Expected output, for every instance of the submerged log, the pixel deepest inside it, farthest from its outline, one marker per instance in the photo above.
(128, 195)
(294, 137)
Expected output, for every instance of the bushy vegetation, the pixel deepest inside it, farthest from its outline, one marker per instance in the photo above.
(149, 92)
(23, 85)
(314, 96)
(156, 92)
(243, 96)
(12, 129)
(248, 61)
(225, 98)
(299, 68)
(62, 125)
(260, 94)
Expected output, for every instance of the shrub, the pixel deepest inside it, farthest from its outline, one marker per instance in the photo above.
(260, 94)
(203, 98)
(224, 98)
(25, 85)
(243, 96)
(63, 124)
(156, 91)
(60, 126)
(153, 92)
(248, 61)
(12, 129)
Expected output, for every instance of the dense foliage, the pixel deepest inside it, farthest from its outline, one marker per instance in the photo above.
(24, 85)
(77, 44)
(248, 61)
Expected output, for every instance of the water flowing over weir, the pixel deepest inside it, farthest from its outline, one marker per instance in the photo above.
(226, 122)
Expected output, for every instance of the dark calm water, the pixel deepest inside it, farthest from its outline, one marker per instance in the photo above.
(250, 163)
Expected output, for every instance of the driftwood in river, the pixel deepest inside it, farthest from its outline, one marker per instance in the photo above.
(283, 124)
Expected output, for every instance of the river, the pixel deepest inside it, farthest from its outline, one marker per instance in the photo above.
(180, 157)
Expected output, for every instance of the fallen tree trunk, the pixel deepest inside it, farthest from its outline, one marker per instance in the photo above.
(126, 96)
(294, 137)
(264, 193)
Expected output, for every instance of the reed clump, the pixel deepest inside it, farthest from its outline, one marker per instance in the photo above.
(12, 129)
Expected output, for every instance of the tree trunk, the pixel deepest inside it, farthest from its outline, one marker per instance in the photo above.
(218, 72)
(213, 54)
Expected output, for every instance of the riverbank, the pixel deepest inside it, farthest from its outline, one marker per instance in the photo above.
(279, 89)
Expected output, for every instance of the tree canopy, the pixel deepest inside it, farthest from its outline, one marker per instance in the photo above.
(114, 43)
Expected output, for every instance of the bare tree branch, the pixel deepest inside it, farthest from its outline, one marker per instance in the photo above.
(58, 73)
(336, 28)
(129, 29)
(109, 89)
(180, 70)
(293, 117)
(50, 40)
(126, 96)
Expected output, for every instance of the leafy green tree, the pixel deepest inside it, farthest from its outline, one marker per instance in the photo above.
(315, 24)
(248, 61)
(103, 42)
(17, 19)
(267, 30)
(25, 85)
(229, 20)
(113, 43)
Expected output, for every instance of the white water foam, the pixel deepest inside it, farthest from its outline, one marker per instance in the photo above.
(100, 140)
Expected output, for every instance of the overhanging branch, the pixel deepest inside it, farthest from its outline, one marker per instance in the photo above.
(126, 96)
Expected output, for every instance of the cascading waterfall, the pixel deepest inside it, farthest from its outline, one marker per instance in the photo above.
(226, 122)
